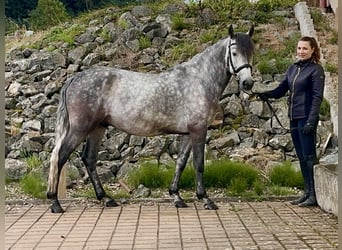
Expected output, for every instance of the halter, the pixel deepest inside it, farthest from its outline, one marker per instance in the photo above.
(229, 55)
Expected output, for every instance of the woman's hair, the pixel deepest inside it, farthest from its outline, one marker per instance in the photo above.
(316, 55)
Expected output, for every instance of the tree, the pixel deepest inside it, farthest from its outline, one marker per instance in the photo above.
(18, 10)
(47, 13)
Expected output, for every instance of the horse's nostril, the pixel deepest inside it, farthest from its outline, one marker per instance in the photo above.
(246, 84)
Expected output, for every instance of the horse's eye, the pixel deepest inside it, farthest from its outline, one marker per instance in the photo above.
(234, 53)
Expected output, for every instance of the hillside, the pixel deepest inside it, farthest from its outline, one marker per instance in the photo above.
(150, 38)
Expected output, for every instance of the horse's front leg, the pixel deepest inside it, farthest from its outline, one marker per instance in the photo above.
(198, 144)
(89, 158)
(182, 159)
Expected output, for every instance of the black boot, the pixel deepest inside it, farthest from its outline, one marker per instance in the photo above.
(305, 195)
(311, 200)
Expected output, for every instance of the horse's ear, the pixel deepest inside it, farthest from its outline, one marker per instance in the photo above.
(251, 31)
(231, 30)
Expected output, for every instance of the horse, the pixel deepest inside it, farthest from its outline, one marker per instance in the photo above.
(181, 100)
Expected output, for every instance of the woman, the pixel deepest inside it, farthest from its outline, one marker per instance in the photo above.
(305, 82)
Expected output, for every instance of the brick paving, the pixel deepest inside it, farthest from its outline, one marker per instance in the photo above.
(235, 225)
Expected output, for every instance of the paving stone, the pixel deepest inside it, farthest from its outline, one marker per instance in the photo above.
(236, 225)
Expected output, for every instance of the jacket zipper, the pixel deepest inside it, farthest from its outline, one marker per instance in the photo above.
(293, 88)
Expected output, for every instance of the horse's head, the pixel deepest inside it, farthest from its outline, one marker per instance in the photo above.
(238, 56)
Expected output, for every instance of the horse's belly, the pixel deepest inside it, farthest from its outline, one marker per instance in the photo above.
(147, 127)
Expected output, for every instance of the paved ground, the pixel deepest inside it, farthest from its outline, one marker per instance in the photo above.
(236, 225)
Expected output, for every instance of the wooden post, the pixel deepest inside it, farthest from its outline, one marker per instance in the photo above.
(62, 183)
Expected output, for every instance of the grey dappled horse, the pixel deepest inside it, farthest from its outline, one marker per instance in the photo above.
(182, 100)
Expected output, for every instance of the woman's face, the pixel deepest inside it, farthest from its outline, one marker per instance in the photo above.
(304, 50)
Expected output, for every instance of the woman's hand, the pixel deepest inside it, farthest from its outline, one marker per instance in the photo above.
(308, 129)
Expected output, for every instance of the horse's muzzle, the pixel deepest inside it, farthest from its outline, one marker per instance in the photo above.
(247, 84)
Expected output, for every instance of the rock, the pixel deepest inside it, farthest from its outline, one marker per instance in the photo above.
(15, 169)
(142, 192)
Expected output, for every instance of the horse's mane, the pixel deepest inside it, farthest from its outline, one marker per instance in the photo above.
(244, 44)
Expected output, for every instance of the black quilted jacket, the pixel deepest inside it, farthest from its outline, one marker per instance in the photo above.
(305, 81)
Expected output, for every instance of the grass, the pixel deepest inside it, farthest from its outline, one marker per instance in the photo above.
(144, 42)
(285, 175)
(234, 178)
(179, 23)
(34, 185)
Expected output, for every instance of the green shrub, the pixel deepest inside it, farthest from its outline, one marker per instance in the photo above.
(48, 13)
(334, 37)
(221, 173)
(324, 110)
(150, 175)
(217, 174)
(238, 185)
(34, 185)
(33, 162)
(285, 175)
(332, 68)
(259, 187)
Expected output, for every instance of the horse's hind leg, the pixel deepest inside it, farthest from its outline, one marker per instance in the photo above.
(182, 159)
(89, 158)
(65, 145)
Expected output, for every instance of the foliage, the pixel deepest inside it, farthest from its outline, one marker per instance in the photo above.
(48, 13)
(212, 35)
(33, 162)
(144, 42)
(150, 175)
(270, 61)
(10, 26)
(178, 22)
(183, 51)
(34, 185)
(229, 9)
(280, 190)
(319, 21)
(62, 34)
(334, 37)
(237, 179)
(218, 174)
(271, 5)
(324, 110)
(332, 68)
(285, 175)
(18, 10)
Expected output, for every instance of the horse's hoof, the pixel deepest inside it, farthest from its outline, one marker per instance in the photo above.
(180, 204)
(57, 209)
(109, 202)
(210, 206)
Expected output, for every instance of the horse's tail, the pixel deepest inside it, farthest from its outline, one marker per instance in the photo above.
(63, 125)
(62, 129)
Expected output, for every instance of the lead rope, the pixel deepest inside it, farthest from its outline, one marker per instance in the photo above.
(273, 113)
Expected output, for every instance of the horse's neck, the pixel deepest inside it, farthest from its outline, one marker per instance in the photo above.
(211, 65)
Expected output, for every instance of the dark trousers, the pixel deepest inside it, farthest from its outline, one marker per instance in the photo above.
(305, 145)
